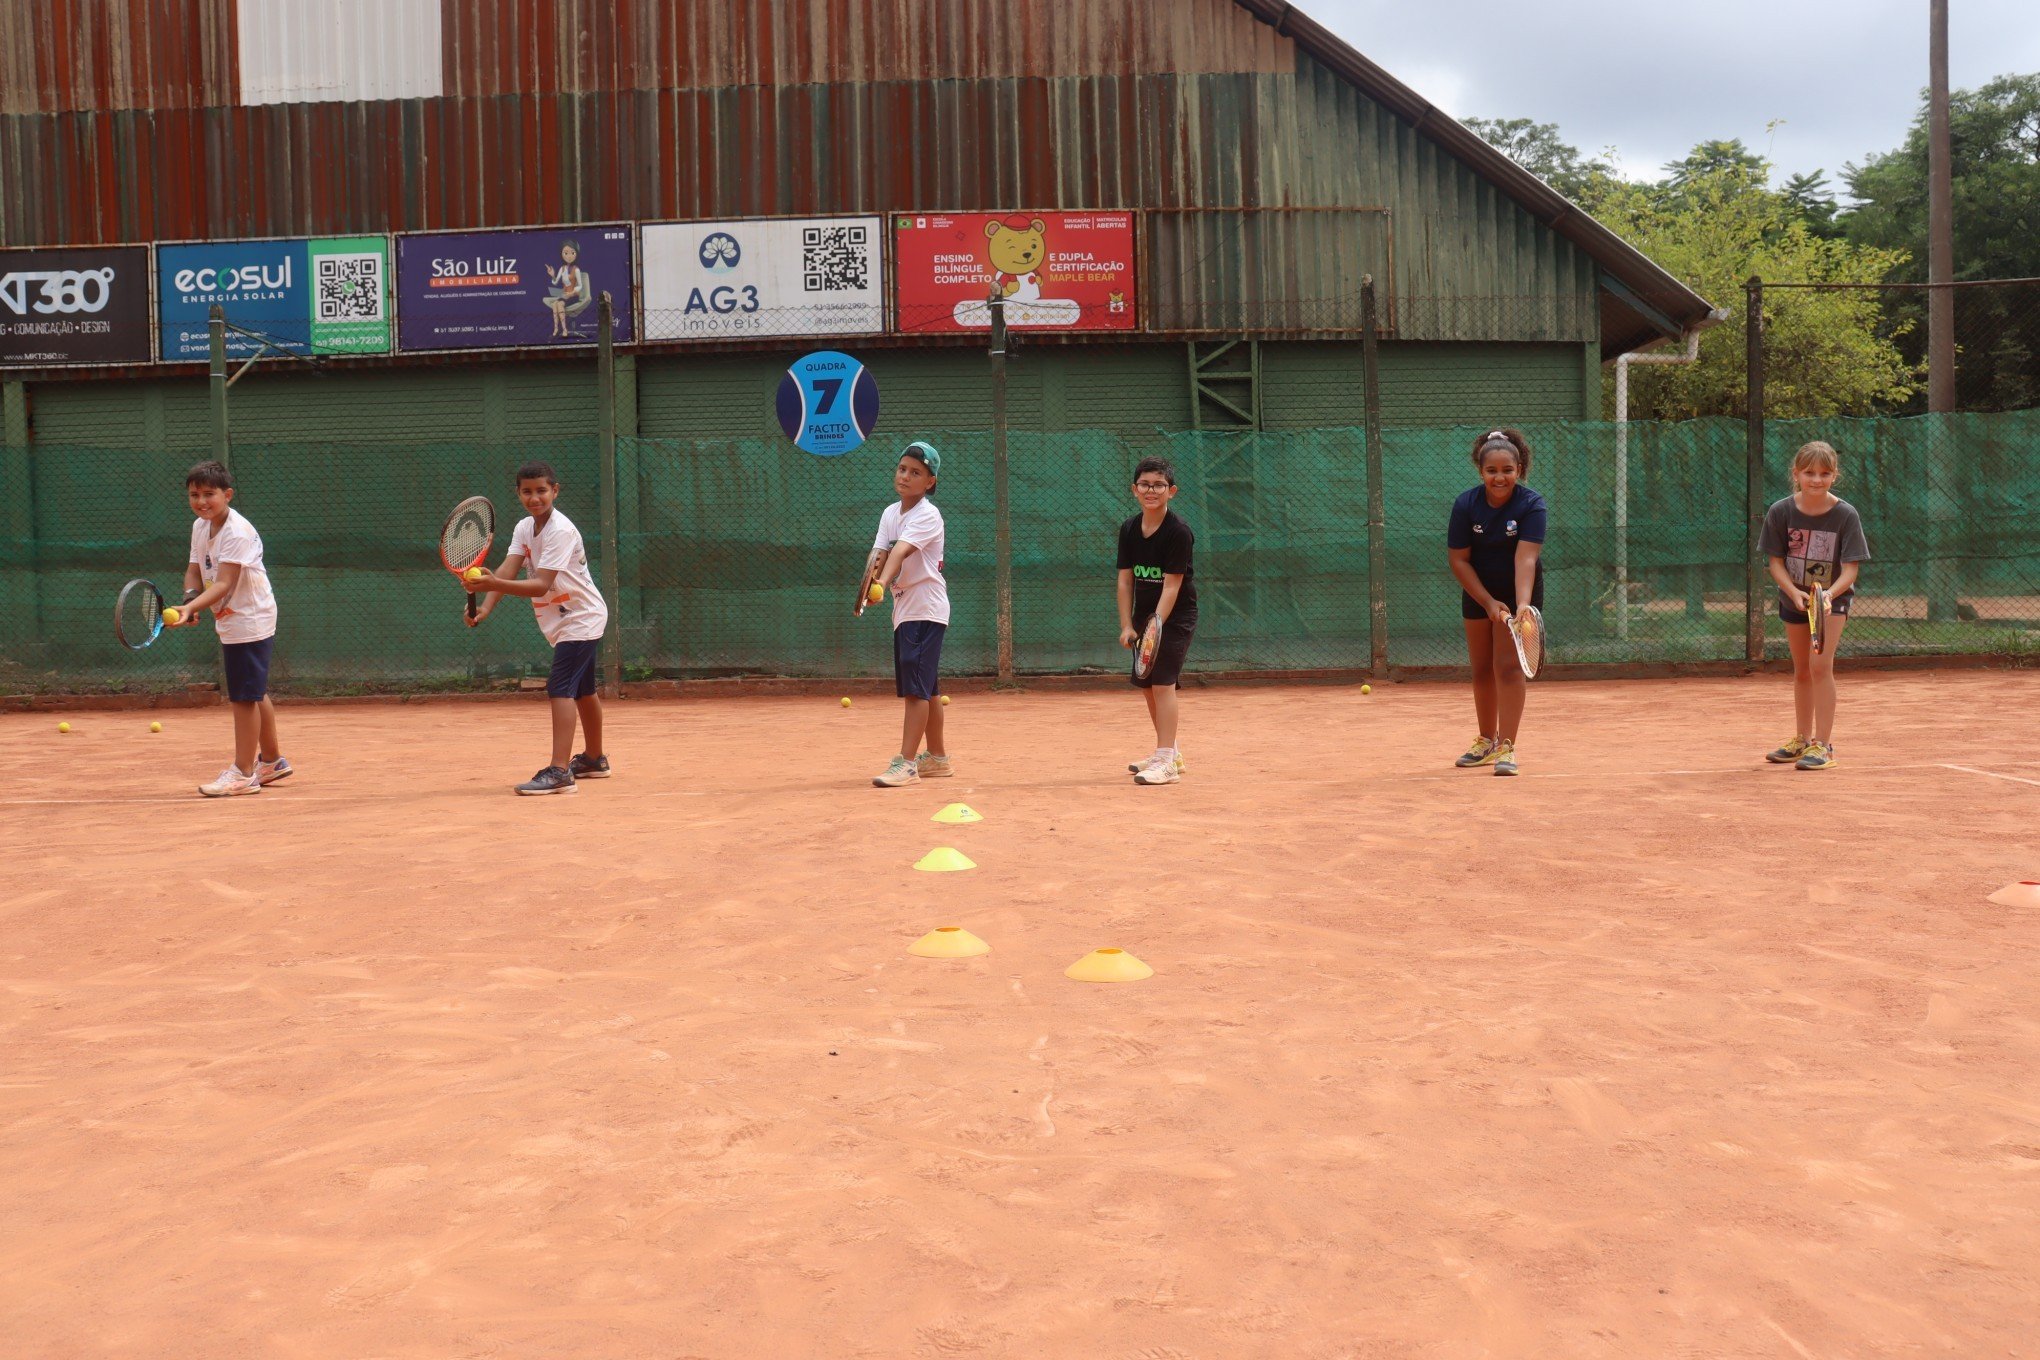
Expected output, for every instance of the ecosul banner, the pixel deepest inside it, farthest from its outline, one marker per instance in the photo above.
(534, 287)
(82, 305)
(320, 295)
(794, 276)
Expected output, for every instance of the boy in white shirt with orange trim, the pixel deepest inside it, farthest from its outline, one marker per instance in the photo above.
(570, 612)
(225, 574)
(909, 550)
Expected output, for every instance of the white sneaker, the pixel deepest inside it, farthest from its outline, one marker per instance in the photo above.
(1136, 766)
(931, 766)
(1162, 771)
(269, 771)
(901, 771)
(230, 783)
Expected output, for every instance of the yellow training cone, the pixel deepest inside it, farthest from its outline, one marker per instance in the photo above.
(1108, 965)
(2022, 894)
(956, 814)
(943, 860)
(949, 942)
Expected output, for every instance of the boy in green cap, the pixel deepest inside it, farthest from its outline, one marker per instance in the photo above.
(910, 540)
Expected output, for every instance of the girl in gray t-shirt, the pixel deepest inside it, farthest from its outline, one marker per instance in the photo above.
(1813, 537)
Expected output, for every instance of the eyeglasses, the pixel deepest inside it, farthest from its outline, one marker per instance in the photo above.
(1152, 486)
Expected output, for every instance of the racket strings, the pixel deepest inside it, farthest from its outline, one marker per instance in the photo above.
(466, 538)
(140, 612)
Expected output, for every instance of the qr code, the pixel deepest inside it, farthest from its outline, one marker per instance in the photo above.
(350, 287)
(835, 259)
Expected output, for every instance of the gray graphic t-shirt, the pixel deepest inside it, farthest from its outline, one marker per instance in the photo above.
(1814, 546)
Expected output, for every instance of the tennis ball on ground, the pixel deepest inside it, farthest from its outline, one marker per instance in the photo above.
(475, 573)
(63, 727)
(846, 701)
(1367, 689)
(155, 727)
(170, 616)
(877, 592)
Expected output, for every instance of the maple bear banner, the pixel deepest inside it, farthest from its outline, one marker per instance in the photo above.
(1069, 271)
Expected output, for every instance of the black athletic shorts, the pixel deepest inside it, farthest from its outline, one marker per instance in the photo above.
(1176, 635)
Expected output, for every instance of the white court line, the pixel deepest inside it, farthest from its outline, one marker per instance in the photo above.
(1992, 774)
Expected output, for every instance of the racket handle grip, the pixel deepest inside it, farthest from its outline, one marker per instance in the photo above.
(471, 606)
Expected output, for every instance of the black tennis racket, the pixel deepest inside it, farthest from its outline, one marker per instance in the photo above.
(1148, 648)
(465, 540)
(1526, 628)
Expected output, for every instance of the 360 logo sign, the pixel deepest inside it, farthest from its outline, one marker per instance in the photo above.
(88, 305)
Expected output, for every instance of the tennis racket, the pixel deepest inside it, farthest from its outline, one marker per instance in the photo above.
(1816, 615)
(1526, 628)
(1148, 648)
(870, 577)
(138, 616)
(465, 540)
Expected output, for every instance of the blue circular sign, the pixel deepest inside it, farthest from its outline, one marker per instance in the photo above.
(828, 403)
(720, 253)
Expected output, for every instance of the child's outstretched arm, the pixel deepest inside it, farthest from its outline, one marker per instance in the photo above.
(1527, 554)
(1793, 593)
(1127, 637)
(1845, 579)
(894, 560)
(222, 586)
(537, 581)
(512, 564)
(1172, 586)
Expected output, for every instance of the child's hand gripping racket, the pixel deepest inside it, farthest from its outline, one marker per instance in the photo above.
(1816, 615)
(1526, 629)
(465, 540)
(869, 591)
(139, 616)
(1149, 647)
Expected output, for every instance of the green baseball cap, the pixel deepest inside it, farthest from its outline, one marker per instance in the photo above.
(926, 452)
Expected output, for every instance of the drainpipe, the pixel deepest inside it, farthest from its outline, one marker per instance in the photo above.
(1622, 363)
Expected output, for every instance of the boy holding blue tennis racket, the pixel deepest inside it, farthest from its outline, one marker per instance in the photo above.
(570, 612)
(225, 574)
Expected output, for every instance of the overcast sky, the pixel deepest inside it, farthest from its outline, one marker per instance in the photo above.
(1652, 78)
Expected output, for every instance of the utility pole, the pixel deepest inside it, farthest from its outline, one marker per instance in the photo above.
(1942, 587)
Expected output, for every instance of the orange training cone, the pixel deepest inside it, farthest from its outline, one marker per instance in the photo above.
(948, 942)
(1108, 965)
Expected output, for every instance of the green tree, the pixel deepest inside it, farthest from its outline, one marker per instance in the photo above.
(1994, 163)
(1538, 148)
(1826, 353)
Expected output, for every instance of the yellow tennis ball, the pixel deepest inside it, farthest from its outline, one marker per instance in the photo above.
(63, 727)
(877, 592)
(945, 700)
(475, 573)
(846, 701)
(1367, 689)
(155, 727)
(170, 616)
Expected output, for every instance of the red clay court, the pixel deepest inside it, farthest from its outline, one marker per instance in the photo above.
(1653, 1051)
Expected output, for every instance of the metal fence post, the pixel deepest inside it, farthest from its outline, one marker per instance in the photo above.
(1753, 562)
(1002, 510)
(221, 444)
(605, 453)
(1377, 499)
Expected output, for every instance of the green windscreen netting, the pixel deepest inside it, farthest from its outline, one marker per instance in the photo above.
(740, 556)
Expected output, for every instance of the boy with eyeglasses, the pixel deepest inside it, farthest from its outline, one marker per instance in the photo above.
(1155, 581)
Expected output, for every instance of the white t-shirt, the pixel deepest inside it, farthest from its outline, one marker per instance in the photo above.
(572, 611)
(249, 613)
(919, 592)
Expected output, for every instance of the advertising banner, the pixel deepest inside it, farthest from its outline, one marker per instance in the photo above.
(324, 295)
(827, 403)
(809, 276)
(75, 305)
(1058, 270)
(531, 287)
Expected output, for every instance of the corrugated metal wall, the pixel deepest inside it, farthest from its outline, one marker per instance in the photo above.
(119, 121)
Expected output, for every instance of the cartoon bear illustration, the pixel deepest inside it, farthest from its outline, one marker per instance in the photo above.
(1016, 245)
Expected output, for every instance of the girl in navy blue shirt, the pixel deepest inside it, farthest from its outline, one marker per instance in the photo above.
(1495, 536)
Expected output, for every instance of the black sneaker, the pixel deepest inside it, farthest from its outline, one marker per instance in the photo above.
(551, 779)
(585, 766)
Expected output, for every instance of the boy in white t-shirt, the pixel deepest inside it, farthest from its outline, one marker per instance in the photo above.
(225, 574)
(570, 613)
(910, 537)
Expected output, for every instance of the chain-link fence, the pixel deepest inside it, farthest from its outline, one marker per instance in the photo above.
(739, 555)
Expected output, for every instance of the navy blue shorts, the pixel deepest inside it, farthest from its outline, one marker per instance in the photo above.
(1502, 588)
(573, 669)
(916, 657)
(1169, 657)
(1838, 605)
(247, 667)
